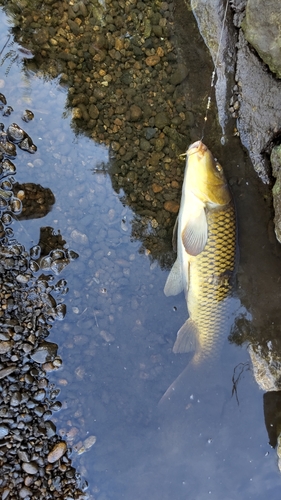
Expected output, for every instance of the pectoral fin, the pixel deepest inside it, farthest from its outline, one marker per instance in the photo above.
(174, 284)
(175, 235)
(186, 337)
(195, 233)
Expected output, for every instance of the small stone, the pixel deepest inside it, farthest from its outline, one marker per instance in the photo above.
(27, 115)
(15, 399)
(6, 346)
(119, 43)
(79, 238)
(162, 120)
(156, 188)
(172, 206)
(25, 492)
(45, 352)
(135, 113)
(93, 111)
(57, 452)
(7, 371)
(179, 74)
(89, 442)
(4, 430)
(30, 467)
(77, 114)
(106, 336)
(152, 60)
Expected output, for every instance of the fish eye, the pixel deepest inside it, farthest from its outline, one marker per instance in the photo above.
(219, 168)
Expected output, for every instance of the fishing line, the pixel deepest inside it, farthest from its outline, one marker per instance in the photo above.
(214, 70)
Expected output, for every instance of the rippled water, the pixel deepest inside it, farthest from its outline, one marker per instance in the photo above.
(116, 339)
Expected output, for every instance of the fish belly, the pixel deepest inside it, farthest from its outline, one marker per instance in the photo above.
(211, 275)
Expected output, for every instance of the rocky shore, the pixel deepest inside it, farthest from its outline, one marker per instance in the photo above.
(35, 462)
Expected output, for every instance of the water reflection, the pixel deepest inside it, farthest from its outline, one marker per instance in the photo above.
(30, 448)
(116, 204)
(128, 88)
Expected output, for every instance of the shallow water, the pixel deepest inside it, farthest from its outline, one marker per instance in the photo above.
(117, 336)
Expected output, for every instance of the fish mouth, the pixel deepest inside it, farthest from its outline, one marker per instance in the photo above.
(197, 147)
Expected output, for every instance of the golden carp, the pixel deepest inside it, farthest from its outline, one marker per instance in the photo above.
(206, 255)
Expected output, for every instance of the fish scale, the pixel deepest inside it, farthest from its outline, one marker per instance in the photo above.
(210, 283)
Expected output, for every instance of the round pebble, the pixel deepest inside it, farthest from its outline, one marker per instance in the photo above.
(57, 452)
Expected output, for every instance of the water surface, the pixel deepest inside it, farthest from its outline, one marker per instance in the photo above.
(116, 340)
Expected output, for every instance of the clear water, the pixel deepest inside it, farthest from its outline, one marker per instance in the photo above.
(116, 339)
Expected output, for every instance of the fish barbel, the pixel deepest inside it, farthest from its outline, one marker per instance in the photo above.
(206, 255)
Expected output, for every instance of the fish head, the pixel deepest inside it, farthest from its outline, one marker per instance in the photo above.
(205, 177)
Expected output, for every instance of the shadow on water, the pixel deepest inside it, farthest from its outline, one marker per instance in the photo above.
(132, 91)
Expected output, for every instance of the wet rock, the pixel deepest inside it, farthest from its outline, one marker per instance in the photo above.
(15, 133)
(275, 159)
(50, 428)
(25, 492)
(262, 30)
(162, 120)
(27, 115)
(15, 399)
(93, 111)
(172, 206)
(179, 74)
(135, 113)
(8, 110)
(5, 372)
(3, 99)
(46, 351)
(152, 60)
(7, 168)
(7, 148)
(266, 367)
(4, 430)
(6, 346)
(79, 237)
(156, 188)
(41, 36)
(57, 452)
(30, 467)
(27, 145)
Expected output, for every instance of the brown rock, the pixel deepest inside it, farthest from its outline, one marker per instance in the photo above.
(57, 452)
(119, 43)
(172, 206)
(152, 60)
(156, 188)
(135, 113)
(93, 111)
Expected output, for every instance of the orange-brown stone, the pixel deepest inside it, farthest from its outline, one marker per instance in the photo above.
(172, 206)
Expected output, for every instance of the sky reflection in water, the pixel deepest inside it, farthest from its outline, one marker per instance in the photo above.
(116, 339)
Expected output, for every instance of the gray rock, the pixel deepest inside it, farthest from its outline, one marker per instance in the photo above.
(7, 371)
(275, 159)
(30, 467)
(266, 368)
(162, 120)
(179, 74)
(25, 492)
(263, 31)
(221, 43)
(260, 106)
(4, 430)
(46, 351)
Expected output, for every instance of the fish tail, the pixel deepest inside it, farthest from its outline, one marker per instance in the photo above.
(192, 383)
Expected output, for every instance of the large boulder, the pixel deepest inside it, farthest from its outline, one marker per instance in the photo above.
(262, 28)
